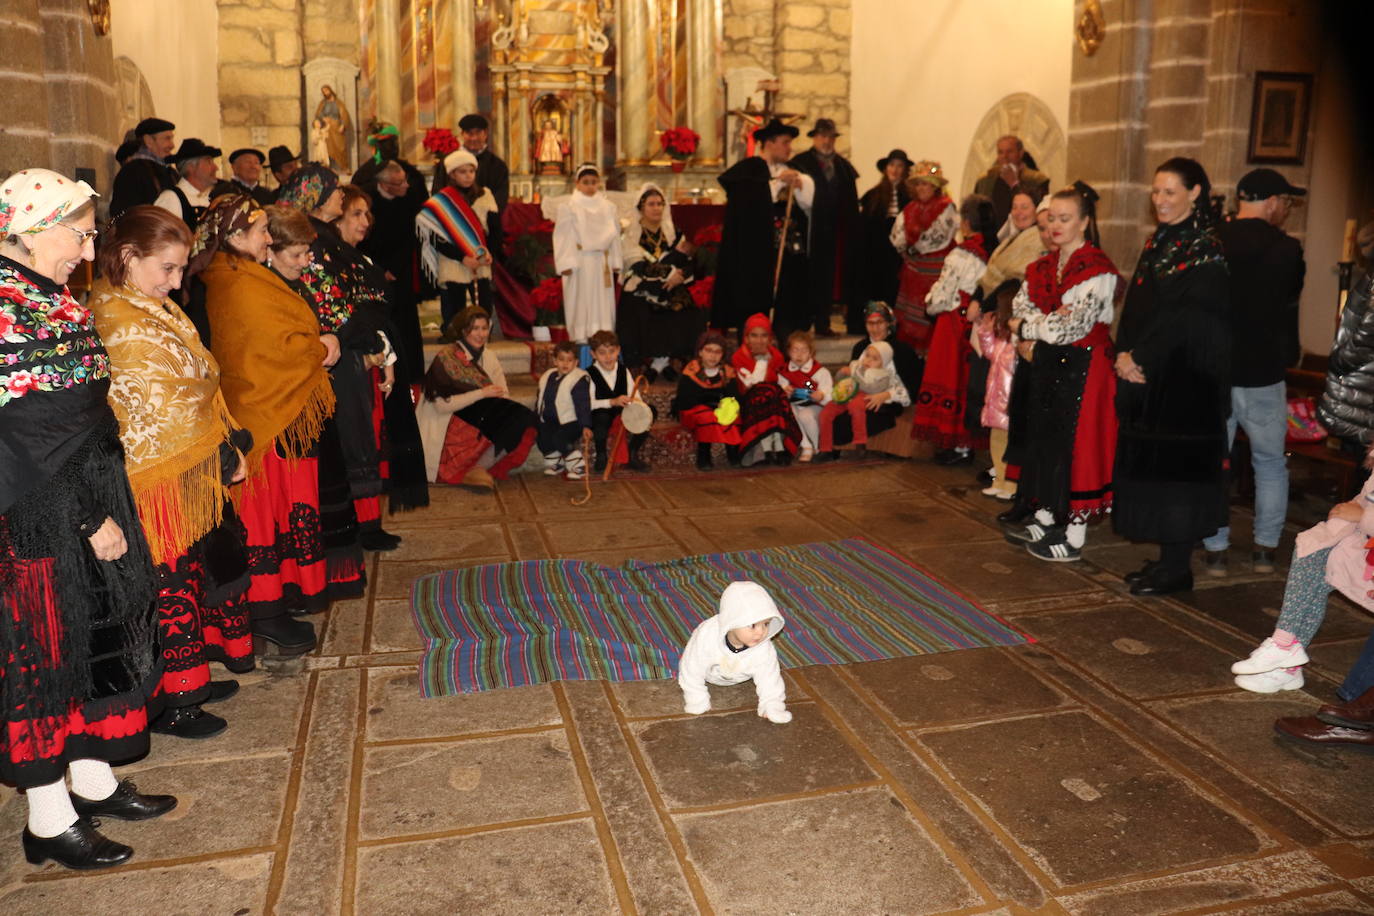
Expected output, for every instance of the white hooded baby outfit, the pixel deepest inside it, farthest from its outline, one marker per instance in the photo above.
(708, 659)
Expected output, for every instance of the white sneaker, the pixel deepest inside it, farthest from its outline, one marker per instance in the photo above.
(1270, 656)
(571, 474)
(1270, 681)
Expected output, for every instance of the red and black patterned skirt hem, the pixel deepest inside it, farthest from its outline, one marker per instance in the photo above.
(192, 630)
(701, 422)
(764, 410)
(280, 510)
(940, 405)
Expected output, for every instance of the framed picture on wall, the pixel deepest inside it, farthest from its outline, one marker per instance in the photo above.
(1279, 116)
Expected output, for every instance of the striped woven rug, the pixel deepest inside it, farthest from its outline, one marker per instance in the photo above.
(531, 622)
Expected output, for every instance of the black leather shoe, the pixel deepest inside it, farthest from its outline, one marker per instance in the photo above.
(188, 722)
(1160, 581)
(221, 690)
(125, 804)
(236, 665)
(1133, 577)
(953, 456)
(378, 539)
(292, 637)
(1017, 516)
(81, 847)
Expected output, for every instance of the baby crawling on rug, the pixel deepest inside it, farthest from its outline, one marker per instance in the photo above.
(734, 646)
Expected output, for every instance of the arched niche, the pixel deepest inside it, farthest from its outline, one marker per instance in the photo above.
(1026, 116)
(135, 98)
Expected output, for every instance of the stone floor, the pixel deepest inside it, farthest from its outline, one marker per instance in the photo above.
(1109, 767)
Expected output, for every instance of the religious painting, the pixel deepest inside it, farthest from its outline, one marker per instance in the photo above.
(1279, 114)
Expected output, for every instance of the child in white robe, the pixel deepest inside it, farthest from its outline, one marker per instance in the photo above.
(734, 646)
(586, 252)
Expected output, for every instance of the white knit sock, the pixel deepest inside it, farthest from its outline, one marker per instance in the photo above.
(50, 809)
(1077, 534)
(92, 779)
(1045, 517)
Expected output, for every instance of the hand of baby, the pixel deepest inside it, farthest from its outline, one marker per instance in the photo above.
(777, 716)
(696, 709)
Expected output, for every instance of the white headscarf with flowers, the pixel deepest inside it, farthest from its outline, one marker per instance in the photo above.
(32, 200)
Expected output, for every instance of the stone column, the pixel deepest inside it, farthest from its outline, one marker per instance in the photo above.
(388, 38)
(705, 104)
(632, 56)
(464, 58)
(25, 141)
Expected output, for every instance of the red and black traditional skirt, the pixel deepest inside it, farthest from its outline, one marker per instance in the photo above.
(940, 407)
(917, 276)
(500, 423)
(280, 511)
(764, 410)
(701, 422)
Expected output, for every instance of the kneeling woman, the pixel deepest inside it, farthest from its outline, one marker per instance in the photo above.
(474, 434)
(768, 430)
(1064, 312)
(77, 654)
(182, 452)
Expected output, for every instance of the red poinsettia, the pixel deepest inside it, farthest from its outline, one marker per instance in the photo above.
(440, 141)
(707, 235)
(702, 291)
(680, 142)
(547, 299)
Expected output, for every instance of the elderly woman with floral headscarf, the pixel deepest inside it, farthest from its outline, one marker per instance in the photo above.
(657, 320)
(272, 360)
(182, 451)
(349, 305)
(78, 660)
(923, 235)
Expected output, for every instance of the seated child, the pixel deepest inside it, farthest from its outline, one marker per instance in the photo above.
(734, 646)
(1333, 555)
(994, 342)
(877, 384)
(564, 410)
(611, 384)
(701, 387)
(768, 432)
(807, 385)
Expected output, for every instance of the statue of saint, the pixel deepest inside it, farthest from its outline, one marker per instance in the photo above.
(550, 150)
(331, 112)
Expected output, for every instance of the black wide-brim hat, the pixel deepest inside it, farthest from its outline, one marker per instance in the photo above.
(279, 156)
(898, 154)
(153, 126)
(247, 152)
(775, 128)
(195, 148)
(823, 126)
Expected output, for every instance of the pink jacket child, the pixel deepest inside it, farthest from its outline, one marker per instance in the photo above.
(1002, 356)
(1334, 555)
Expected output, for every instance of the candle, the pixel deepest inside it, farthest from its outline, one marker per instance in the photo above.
(1348, 244)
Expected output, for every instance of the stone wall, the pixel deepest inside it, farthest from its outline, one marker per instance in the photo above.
(805, 42)
(58, 80)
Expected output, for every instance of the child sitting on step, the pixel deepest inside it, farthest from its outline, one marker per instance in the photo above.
(876, 383)
(564, 410)
(734, 646)
(611, 388)
(704, 383)
(807, 385)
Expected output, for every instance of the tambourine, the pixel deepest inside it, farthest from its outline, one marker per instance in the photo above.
(637, 417)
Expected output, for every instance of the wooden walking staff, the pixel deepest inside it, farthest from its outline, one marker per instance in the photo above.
(586, 478)
(782, 247)
(619, 435)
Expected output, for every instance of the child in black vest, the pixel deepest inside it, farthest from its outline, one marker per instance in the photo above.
(564, 409)
(611, 385)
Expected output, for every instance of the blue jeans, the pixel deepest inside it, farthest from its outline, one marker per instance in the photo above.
(1360, 677)
(1263, 414)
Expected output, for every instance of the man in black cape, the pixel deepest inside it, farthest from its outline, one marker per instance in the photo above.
(756, 192)
(394, 247)
(145, 174)
(835, 230)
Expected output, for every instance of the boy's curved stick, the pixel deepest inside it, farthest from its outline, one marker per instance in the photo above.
(619, 435)
(586, 478)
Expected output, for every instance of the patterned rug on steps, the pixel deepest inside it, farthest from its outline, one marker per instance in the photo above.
(535, 621)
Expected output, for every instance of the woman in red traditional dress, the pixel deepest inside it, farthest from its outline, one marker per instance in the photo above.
(78, 661)
(1063, 315)
(941, 405)
(769, 433)
(922, 235)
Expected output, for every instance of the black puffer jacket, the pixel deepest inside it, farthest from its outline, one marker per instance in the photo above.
(1347, 407)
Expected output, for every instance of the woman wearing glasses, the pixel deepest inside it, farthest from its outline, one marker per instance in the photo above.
(77, 657)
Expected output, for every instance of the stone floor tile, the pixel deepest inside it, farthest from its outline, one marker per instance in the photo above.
(467, 784)
(514, 499)
(223, 887)
(1334, 903)
(527, 541)
(568, 537)
(393, 627)
(1082, 802)
(1332, 659)
(651, 869)
(998, 571)
(340, 630)
(313, 880)
(782, 858)
(1240, 729)
(551, 498)
(955, 686)
(1253, 608)
(1252, 881)
(1132, 650)
(264, 718)
(735, 757)
(460, 540)
(221, 806)
(396, 711)
(912, 520)
(618, 556)
(394, 578)
(757, 530)
(838, 482)
(1120, 557)
(648, 699)
(550, 868)
(449, 507)
(707, 491)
